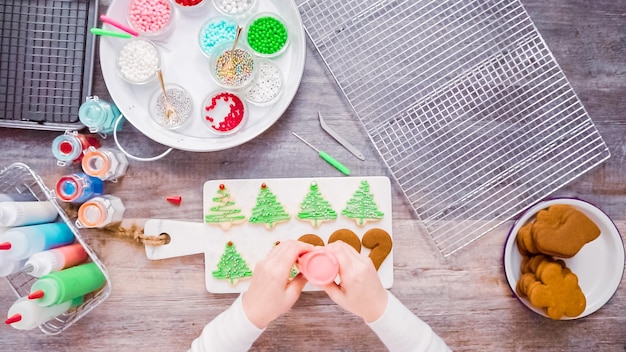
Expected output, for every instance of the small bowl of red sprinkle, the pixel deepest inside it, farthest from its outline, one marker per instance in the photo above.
(224, 112)
(152, 18)
(267, 35)
(191, 7)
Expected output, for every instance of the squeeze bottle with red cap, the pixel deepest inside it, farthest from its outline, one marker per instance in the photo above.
(320, 267)
(26, 213)
(67, 284)
(25, 314)
(53, 260)
(21, 242)
(68, 147)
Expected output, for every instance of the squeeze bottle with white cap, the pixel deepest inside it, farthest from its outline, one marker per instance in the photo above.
(53, 260)
(26, 213)
(67, 284)
(25, 314)
(21, 242)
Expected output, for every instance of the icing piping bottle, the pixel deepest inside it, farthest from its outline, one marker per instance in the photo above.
(320, 267)
(27, 213)
(10, 266)
(98, 115)
(25, 314)
(100, 211)
(78, 187)
(53, 260)
(21, 242)
(67, 284)
(106, 164)
(68, 148)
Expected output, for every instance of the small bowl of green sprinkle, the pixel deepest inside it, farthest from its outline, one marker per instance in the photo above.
(267, 35)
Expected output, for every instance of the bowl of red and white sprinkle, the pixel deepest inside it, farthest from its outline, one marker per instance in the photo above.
(224, 112)
(151, 17)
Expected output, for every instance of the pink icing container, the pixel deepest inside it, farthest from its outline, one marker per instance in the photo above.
(319, 267)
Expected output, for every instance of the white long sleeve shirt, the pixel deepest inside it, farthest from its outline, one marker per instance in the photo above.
(398, 328)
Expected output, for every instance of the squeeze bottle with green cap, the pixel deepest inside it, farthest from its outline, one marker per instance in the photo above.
(53, 260)
(26, 213)
(67, 284)
(21, 242)
(25, 314)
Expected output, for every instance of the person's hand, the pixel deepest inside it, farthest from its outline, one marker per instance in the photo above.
(271, 293)
(360, 291)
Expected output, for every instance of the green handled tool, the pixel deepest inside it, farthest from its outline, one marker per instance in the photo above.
(329, 159)
(104, 32)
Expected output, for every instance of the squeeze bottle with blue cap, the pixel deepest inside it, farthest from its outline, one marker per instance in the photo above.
(21, 242)
(78, 187)
(26, 213)
(68, 148)
(106, 164)
(98, 115)
(67, 284)
(25, 314)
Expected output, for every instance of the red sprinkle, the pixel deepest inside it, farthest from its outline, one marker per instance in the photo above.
(188, 2)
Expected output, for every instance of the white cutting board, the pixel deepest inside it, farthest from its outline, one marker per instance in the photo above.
(254, 241)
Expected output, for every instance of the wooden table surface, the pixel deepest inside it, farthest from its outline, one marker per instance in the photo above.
(163, 305)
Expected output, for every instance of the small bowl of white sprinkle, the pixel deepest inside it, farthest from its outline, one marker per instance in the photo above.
(235, 7)
(181, 102)
(138, 61)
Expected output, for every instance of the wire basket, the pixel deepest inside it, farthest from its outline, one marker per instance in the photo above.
(19, 179)
(46, 64)
(463, 100)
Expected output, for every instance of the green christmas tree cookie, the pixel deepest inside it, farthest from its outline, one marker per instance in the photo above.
(315, 208)
(223, 211)
(361, 207)
(268, 210)
(231, 266)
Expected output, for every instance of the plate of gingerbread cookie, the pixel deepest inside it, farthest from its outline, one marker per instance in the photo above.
(564, 258)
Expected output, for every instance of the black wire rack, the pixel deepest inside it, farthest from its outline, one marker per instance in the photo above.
(46, 62)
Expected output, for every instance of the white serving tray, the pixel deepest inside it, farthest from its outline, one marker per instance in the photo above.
(184, 64)
(254, 241)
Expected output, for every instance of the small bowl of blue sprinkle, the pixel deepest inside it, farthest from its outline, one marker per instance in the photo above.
(216, 31)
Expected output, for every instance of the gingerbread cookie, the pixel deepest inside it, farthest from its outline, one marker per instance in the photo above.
(315, 208)
(379, 241)
(562, 230)
(223, 211)
(558, 294)
(312, 239)
(346, 236)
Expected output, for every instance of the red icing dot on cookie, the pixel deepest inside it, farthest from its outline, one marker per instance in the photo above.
(230, 243)
(263, 185)
(222, 186)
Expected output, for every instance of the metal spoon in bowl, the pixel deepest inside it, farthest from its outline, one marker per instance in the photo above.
(169, 109)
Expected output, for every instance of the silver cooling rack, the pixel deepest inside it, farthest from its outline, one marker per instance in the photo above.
(464, 102)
